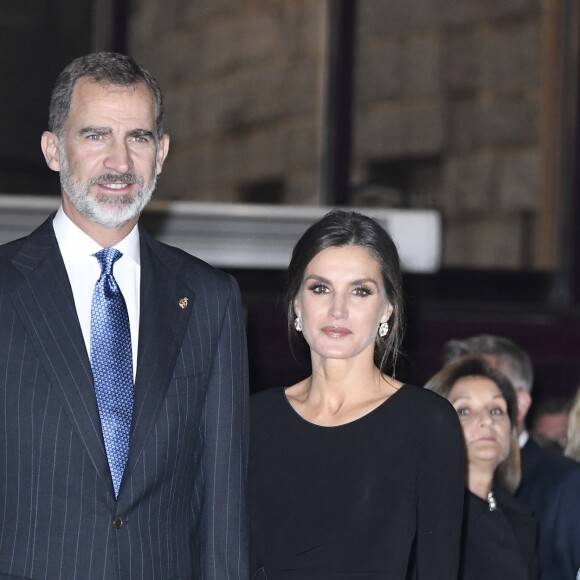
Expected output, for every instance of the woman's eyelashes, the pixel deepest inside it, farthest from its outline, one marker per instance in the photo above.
(319, 288)
(362, 291)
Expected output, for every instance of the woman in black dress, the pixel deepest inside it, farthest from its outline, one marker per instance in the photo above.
(353, 474)
(499, 532)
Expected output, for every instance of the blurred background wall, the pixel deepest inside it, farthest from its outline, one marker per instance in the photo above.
(454, 106)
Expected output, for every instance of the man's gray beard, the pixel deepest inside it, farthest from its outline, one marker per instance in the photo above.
(107, 210)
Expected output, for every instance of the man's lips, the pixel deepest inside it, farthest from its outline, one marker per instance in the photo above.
(336, 331)
(115, 186)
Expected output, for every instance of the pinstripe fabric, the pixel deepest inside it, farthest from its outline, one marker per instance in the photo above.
(182, 496)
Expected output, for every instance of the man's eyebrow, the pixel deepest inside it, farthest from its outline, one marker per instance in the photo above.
(141, 133)
(98, 130)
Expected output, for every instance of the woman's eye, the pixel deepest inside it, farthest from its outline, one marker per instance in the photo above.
(319, 289)
(497, 411)
(463, 412)
(362, 291)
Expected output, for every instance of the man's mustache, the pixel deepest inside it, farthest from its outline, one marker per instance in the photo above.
(111, 178)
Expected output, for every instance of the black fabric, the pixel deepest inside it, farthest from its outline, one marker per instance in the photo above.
(498, 545)
(357, 500)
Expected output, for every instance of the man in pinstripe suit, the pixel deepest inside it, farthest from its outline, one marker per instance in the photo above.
(179, 512)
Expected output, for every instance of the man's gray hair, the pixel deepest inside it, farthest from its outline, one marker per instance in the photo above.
(106, 68)
(511, 359)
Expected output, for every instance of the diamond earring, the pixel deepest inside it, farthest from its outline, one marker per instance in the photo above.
(298, 323)
(383, 329)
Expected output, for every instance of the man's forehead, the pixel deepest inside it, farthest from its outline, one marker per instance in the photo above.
(134, 102)
(87, 89)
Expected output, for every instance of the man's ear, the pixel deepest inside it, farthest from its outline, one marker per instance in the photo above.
(162, 151)
(524, 403)
(49, 146)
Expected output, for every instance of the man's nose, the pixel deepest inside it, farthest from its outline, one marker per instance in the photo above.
(118, 157)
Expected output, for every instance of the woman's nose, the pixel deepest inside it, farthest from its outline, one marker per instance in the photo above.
(338, 308)
(485, 418)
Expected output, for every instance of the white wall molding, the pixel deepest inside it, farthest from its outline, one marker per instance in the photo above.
(243, 235)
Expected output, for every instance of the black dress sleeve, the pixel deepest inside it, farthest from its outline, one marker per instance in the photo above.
(440, 491)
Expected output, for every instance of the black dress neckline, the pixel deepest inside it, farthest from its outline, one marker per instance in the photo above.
(348, 424)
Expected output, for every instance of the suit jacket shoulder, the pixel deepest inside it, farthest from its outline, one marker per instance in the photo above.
(178, 261)
(24, 254)
(544, 467)
(550, 484)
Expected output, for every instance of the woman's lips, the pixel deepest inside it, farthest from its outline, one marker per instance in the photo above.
(487, 439)
(336, 331)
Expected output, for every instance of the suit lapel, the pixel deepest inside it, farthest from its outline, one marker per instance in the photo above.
(161, 329)
(45, 304)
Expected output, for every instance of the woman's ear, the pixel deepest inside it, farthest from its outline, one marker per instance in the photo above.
(388, 313)
(296, 308)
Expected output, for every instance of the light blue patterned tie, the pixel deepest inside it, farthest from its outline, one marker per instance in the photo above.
(111, 361)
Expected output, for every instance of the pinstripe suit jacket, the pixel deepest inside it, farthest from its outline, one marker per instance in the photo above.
(181, 510)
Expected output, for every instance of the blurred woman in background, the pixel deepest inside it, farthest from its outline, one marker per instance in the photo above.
(499, 532)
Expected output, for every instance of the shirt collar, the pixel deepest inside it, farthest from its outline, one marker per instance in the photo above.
(74, 243)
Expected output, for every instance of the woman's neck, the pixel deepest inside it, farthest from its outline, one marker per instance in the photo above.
(333, 395)
(480, 480)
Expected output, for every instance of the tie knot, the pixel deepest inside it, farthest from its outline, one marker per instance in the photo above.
(106, 258)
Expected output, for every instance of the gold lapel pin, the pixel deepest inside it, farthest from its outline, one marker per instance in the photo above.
(183, 302)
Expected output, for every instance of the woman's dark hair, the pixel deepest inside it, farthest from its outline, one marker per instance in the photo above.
(107, 68)
(340, 228)
(508, 472)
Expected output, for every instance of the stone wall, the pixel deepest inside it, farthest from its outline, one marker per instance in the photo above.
(242, 81)
(448, 109)
(458, 84)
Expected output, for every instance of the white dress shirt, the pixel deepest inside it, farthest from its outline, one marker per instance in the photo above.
(83, 271)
